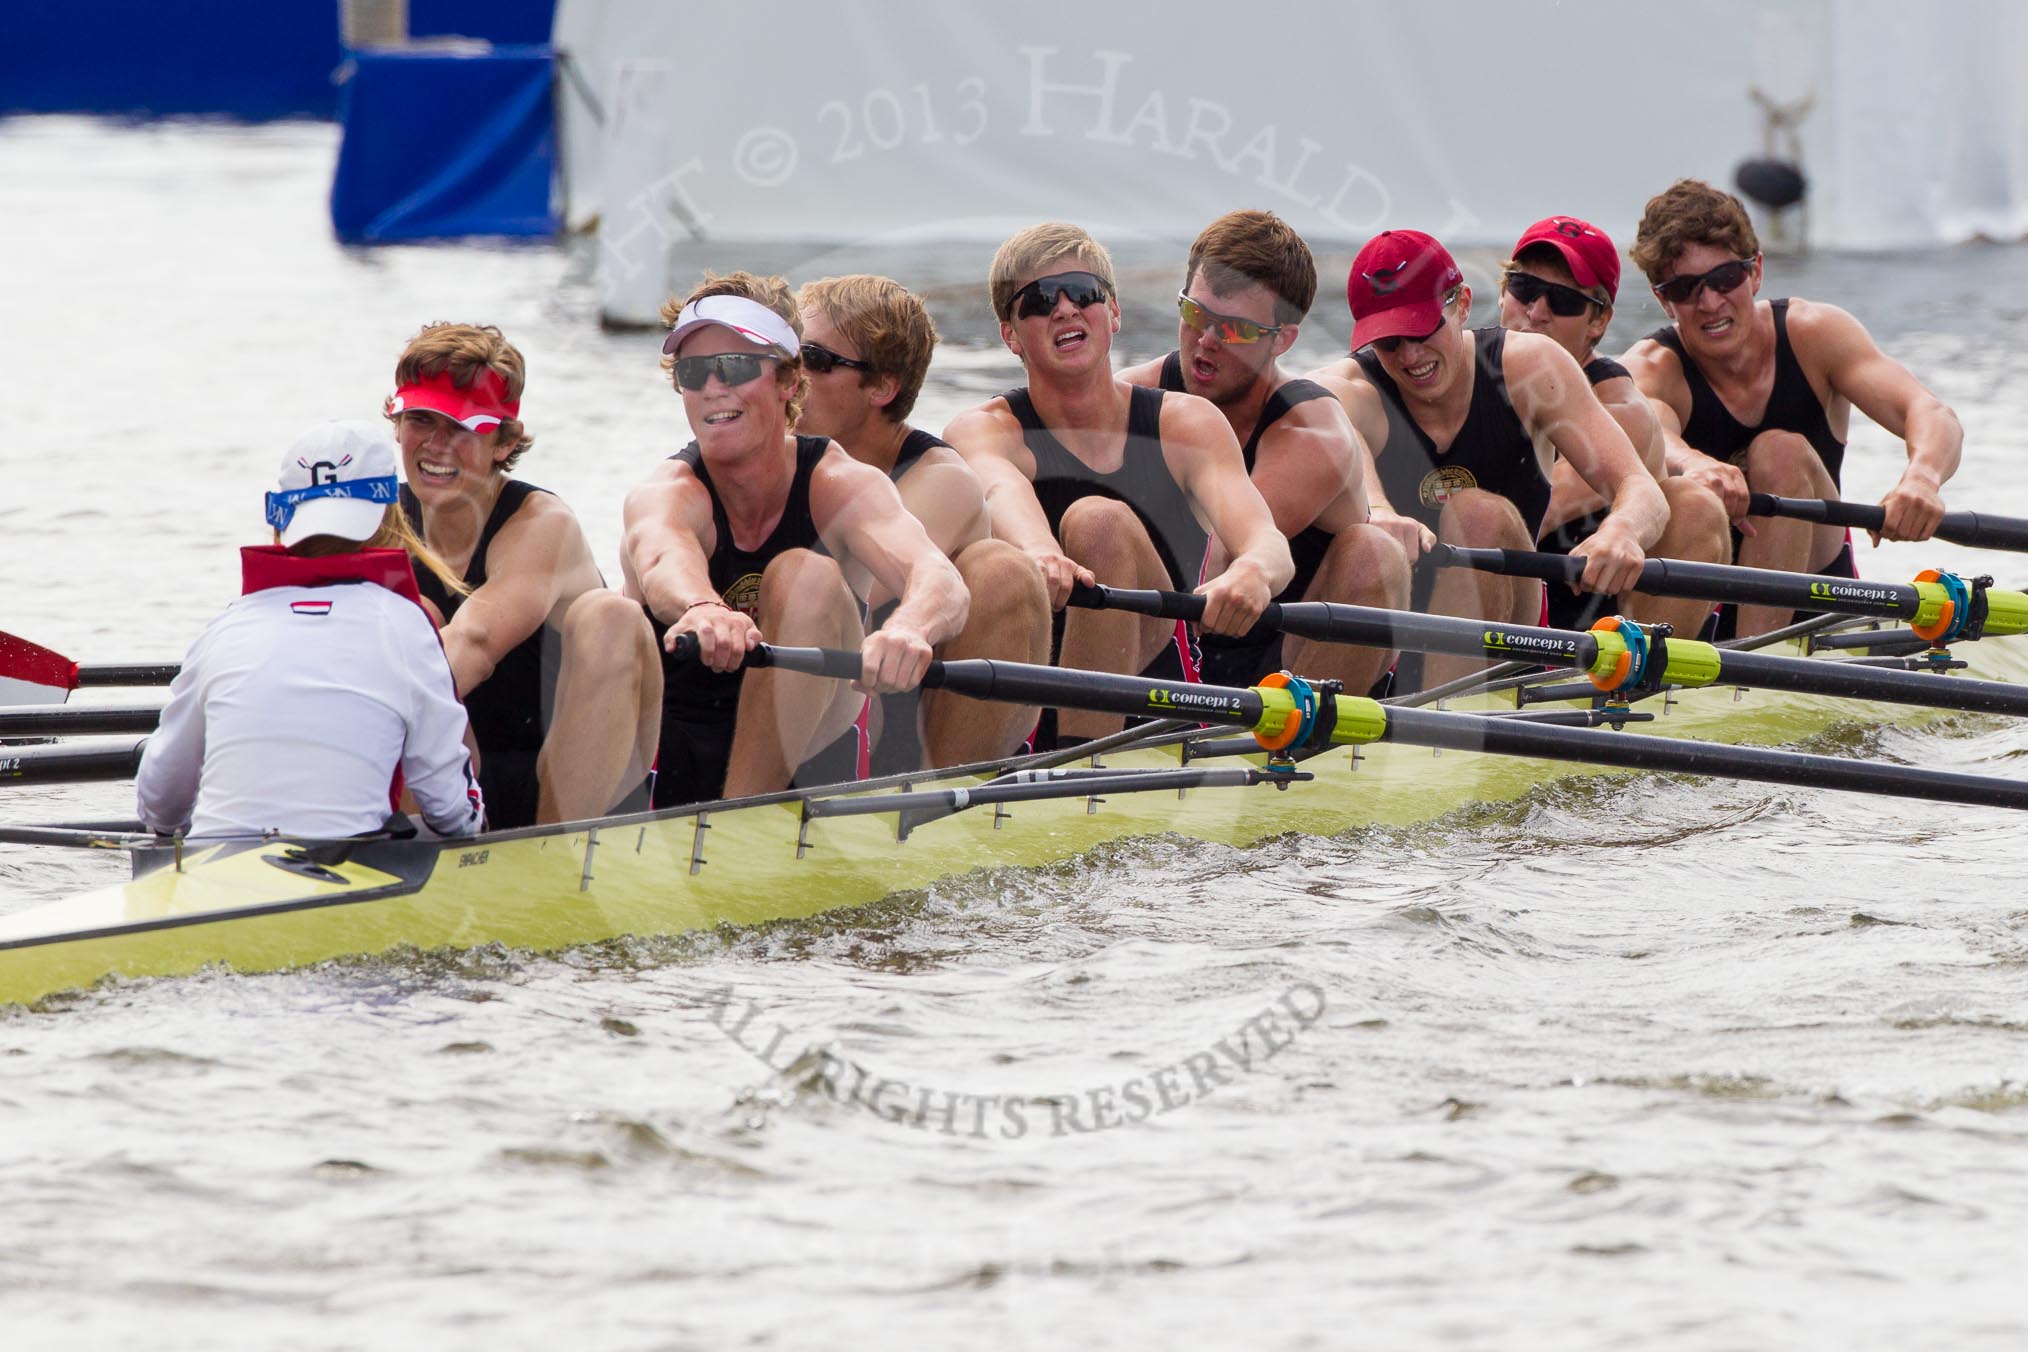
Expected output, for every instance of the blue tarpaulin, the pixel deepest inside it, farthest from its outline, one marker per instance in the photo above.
(440, 145)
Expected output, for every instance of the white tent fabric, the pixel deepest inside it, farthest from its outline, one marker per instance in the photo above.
(863, 120)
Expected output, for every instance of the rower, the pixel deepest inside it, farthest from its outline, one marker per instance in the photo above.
(866, 344)
(558, 672)
(1756, 396)
(745, 535)
(1461, 424)
(1247, 286)
(1561, 282)
(304, 707)
(1098, 479)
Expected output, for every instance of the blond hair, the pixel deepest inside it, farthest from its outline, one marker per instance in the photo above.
(1028, 251)
(887, 323)
(772, 292)
(395, 532)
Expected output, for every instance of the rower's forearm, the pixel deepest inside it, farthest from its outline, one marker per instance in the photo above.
(1935, 443)
(934, 603)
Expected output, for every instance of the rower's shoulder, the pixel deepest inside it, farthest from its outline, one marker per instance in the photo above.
(1814, 323)
(1147, 373)
(1652, 365)
(989, 426)
(1310, 417)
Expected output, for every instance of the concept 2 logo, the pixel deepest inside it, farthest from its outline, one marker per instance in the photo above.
(1502, 641)
(1168, 697)
(1847, 591)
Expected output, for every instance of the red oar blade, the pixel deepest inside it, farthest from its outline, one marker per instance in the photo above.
(32, 674)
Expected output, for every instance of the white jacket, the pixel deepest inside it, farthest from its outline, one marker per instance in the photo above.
(292, 711)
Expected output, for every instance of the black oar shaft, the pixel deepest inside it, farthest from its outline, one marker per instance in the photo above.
(69, 764)
(1020, 683)
(1707, 581)
(1634, 751)
(56, 720)
(127, 673)
(1976, 529)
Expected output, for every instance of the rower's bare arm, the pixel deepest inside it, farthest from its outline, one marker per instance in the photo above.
(1623, 399)
(1204, 458)
(947, 497)
(1888, 393)
(1147, 373)
(533, 566)
(1555, 400)
(861, 518)
(1362, 407)
(1308, 468)
(1659, 376)
(990, 440)
(665, 555)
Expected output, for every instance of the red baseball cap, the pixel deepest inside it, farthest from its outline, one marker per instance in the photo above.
(1590, 254)
(1397, 286)
(479, 407)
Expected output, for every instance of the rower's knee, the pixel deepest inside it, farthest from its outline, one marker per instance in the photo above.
(1785, 464)
(1364, 566)
(1698, 528)
(1477, 517)
(605, 631)
(1005, 583)
(801, 588)
(1100, 532)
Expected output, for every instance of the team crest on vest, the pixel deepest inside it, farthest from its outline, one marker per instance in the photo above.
(1443, 483)
(744, 595)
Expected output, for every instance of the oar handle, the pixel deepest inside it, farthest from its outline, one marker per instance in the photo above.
(1975, 529)
(1511, 562)
(1168, 605)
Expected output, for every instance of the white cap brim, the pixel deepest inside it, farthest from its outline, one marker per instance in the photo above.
(346, 518)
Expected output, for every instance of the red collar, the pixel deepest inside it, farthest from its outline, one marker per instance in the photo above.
(262, 567)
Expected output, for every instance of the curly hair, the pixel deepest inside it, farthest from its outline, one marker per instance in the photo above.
(1690, 212)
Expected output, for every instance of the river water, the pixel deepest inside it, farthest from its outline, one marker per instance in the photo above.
(1695, 1066)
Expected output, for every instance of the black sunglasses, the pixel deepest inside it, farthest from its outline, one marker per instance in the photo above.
(734, 368)
(1724, 279)
(1039, 297)
(1567, 301)
(821, 359)
(1391, 345)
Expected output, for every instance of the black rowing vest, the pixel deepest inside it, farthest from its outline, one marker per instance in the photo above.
(509, 710)
(914, 447)
(1492, 450)
(1571, 533)
(1142, 481)
(692, 691)
(1309, 545)
(1792, 406)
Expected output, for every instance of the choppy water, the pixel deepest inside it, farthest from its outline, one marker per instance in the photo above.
(1740, 1068)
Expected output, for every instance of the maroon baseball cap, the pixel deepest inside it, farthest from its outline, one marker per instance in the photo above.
(1397, 286)
(1590, 254)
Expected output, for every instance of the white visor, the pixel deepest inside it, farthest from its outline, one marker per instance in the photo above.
(748, 318)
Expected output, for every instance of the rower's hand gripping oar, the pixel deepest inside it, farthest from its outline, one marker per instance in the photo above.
(1977, 529)
(1618, 656)
(1940, 607)
(1298, 715)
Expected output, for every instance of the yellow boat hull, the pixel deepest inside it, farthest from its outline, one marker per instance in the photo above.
(256, 907)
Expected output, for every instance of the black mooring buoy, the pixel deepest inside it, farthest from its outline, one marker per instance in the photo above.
(1773, 183)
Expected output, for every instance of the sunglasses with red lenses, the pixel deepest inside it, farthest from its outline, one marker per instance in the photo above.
(1039, 297)
(1724, 279)
(1230, 330)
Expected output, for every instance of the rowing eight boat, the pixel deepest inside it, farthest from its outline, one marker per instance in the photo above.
(261, 906)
